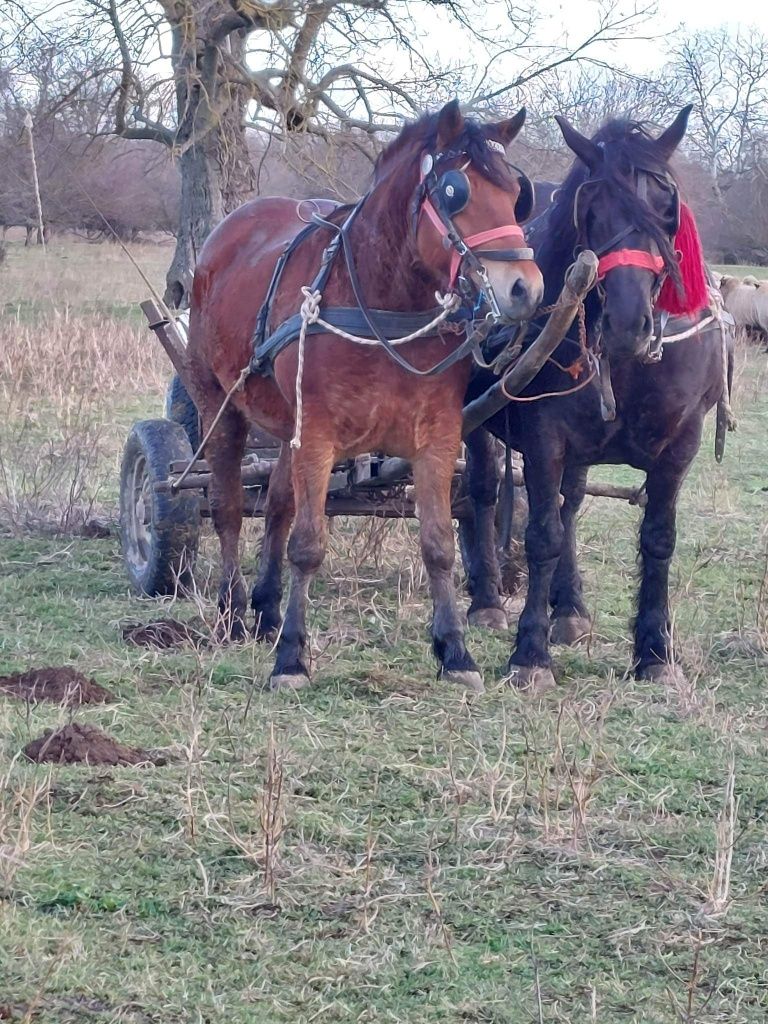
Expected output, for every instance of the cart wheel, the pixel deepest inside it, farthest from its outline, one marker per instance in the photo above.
(179, 408)
(159, 533)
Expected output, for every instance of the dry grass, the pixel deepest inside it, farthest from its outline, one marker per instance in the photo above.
(377, 847)
(70, 382)
(75, 274)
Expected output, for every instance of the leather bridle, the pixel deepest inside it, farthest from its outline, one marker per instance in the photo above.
(611, 255)
(442, 196)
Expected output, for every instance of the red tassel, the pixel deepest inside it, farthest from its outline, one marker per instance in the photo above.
(695, 294)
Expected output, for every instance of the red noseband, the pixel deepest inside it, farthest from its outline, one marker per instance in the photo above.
(629, 258)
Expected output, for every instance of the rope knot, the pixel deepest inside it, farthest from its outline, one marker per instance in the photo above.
(310, 307)
(448, 302)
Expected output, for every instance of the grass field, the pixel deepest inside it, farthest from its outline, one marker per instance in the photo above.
(376, 848)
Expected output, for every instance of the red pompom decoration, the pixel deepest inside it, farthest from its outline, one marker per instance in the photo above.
(695, 293)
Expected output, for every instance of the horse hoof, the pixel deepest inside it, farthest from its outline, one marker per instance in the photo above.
(488, 618)
(469, 680)
(284, 681)
(663, 673)
(570, 629)
(531, 679)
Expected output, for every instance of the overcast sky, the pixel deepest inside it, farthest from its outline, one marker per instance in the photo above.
(572, 19)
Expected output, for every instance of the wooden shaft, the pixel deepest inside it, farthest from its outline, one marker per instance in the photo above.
(579, 279)
(168, 337)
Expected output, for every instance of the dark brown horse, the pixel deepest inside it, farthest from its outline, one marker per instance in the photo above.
(621, 200)
(353, 398)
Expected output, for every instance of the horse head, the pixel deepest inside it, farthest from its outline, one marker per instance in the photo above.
(466, 213)
(624, 204)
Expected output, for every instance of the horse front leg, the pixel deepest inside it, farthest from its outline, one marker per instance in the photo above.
(432, 475)
(570, 618)
(224, 453)
(267, 591)
(654, 655)
(530, 666)
(483, 575)
(311, 467)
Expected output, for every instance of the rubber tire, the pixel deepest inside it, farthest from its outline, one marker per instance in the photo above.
(179, 408)
(168, 559)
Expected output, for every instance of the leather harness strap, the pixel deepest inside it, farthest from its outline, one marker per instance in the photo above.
(381, 324)
(512, 231)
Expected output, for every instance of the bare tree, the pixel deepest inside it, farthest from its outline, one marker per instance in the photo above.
(726, 75)
(310, 67)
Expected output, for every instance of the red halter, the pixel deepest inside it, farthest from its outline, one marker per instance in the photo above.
(629, 258)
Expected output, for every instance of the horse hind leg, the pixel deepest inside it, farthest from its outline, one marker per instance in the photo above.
(224, 453)
(278, 515)
(479, 535)
(570, 619)
(432, 475)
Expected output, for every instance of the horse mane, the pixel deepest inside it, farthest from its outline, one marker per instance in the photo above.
(627, 145)
(396, 177)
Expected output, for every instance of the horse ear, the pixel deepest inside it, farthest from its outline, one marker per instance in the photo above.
(509, 129)
(450, 124)
(671, 138)
(584, 148)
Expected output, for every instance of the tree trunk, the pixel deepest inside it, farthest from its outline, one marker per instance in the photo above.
(200, 210)
(217, 175)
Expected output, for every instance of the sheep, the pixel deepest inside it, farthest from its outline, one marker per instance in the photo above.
(747, 303)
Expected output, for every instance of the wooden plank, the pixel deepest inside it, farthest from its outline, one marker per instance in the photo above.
(579, 279)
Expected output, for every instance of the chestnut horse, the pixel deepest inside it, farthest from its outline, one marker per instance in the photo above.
(441, 189)
(621, 200)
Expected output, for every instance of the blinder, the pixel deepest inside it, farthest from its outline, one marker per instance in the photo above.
(526, 199)
(452, 192)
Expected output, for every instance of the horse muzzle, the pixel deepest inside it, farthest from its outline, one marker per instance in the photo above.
(518, 289)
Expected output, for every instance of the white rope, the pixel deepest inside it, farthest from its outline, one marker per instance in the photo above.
(667, 339)
(310, 314)
(716, 311)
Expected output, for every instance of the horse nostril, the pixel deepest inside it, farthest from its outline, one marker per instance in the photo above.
(518, 290)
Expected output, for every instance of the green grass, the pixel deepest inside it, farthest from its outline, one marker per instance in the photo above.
(739, 270)
(505, 860)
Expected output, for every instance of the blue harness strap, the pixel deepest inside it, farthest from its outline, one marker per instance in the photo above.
(347, 318)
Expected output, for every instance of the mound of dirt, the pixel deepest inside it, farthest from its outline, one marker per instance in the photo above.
(163, 634)
(58, 685)
(82, 744)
